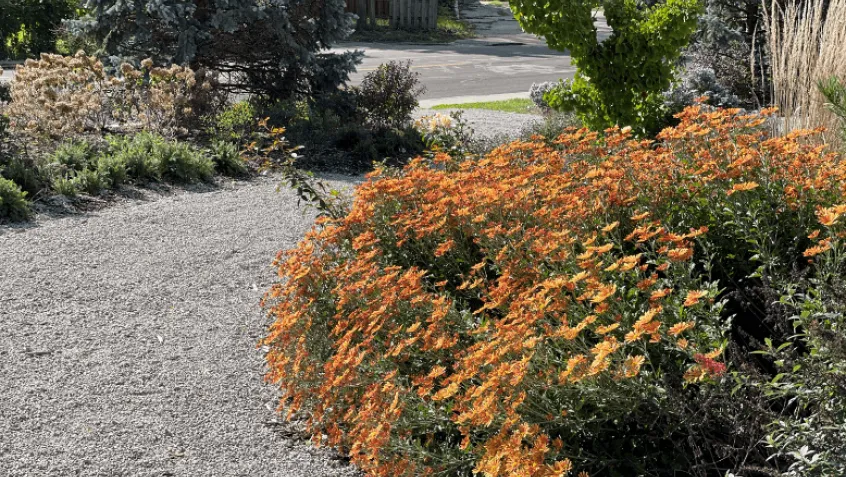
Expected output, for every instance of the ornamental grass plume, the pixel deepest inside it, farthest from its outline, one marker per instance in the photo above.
(510, 315)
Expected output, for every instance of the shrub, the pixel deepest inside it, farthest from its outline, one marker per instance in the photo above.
(227, 159)
(138, 153)
(60, 95)
(72, 156)
(24, 171)
(729, 42)
(388, 96)
(180, 162)
(13, 204)
(112, 169)
(88, 181)
(810, 431)
(549, 307)
(235, 123)
(618, 80)
(65, 186)
(695, 83)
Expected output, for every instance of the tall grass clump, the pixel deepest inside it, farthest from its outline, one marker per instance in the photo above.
(557, 306)
(807, 40)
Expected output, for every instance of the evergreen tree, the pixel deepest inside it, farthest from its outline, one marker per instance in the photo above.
(273, 48)
(730, 37)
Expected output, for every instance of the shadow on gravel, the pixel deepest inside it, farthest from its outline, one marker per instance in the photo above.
(60, 207)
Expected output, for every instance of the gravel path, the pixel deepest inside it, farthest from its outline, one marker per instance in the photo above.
(489, 123)
(127, 341)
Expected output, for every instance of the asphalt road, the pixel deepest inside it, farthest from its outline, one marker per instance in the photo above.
(463, 70)
(472, 68)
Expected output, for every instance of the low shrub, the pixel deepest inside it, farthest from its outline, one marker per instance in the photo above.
(139, 154)
(112, 170)
(553, 307)
(235, 123)
(65, 186)
(89, 181)
(388, 95)
(24, 171)
(696, 83)
(181, 163)
(227, 159)
(13, 204)
(72, 156)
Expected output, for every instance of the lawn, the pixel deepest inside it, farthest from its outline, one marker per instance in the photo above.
(514, 105)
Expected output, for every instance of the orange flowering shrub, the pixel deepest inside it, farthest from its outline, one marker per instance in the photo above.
(518, 314)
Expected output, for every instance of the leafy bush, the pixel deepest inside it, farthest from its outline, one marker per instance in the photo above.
(23, 171)
(88, 181)
(150, 157)
(227, 159)
(235, 123)
(810, 385)
(65, 186)
(72, 155)
(550, 307)
(618, 80)
(388, 95)
(13, 204)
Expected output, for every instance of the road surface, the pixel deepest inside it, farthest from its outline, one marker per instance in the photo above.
(471, 68)
(463, 70)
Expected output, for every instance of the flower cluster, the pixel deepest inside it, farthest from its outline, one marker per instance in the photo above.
(494, 315)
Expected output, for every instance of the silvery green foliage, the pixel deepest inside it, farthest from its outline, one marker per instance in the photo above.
(730, 41)
(697, 82)
(274, 48)
(537, 92)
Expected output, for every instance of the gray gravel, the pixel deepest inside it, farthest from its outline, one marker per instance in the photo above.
(127, 340)
(491, 124)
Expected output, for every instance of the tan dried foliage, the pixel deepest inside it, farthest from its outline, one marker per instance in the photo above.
(807, 45)
(60, 95)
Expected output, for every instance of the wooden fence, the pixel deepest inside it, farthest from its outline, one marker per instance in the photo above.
(414, 14)
(403, 14)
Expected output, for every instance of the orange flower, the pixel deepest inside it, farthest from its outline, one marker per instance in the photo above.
(694, 296)
(743, 186)
(680, 328)
(631, 367)
(680, 254)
